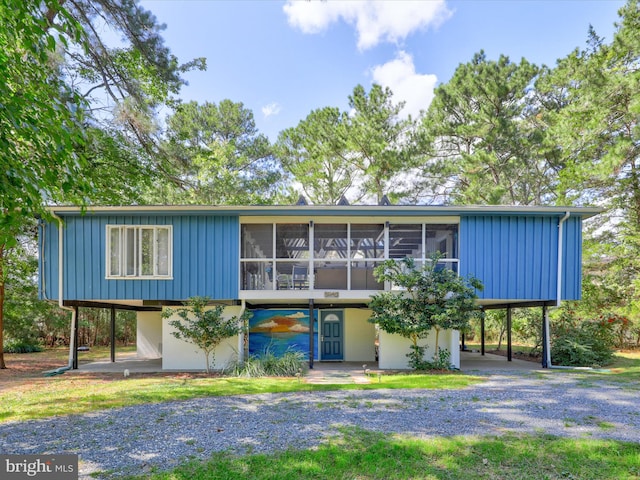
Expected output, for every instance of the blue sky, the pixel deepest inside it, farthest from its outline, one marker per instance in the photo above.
(284, 59)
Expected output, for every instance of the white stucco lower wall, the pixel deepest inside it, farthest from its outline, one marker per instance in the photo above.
(149, 334)
(181, 355)
(454, 347)
(393, 349)
(359, 336)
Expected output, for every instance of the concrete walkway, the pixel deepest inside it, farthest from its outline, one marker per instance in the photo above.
(473, 362)
(326, 372)
(323, 372)
(122, 363)
(341, 373)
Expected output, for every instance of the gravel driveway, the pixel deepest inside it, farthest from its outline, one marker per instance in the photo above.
(131, 440)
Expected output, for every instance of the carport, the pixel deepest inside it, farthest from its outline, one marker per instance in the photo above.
(474, 362)
(113, 307)
(478, 358)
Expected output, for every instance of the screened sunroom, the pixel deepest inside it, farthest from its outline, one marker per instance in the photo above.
(336, 256)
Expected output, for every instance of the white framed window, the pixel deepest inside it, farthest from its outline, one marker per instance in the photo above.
(139, 251)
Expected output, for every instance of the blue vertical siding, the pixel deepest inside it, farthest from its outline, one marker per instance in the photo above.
(205, 259)
(572, 259)
(48, 260)
(515, 257)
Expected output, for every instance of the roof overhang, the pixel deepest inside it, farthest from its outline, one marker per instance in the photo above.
(324, 210)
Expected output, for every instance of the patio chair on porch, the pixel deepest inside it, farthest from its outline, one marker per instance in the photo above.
(284, 282)
(300, 277)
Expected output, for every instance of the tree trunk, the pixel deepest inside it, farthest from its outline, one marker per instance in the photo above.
(82, 337)
(2, 364)
(500, 337)
(635, 195)
(52, 12)
(96, 323)
(209, 354)
(435, 355)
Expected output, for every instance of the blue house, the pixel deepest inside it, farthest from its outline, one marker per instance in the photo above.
(305, 272)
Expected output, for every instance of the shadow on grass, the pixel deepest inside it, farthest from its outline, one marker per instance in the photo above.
(368, 455)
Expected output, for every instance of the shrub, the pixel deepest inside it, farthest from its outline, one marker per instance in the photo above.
(289, 364)
(205, 327)
(621, 328)
(582, 343)
(431, 298)
(440, 361)
(416, 357)
(20, 346)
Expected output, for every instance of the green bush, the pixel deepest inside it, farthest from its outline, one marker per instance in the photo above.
(416, 357)
(289, 364)
(582, 343)
(621, 327)
(20, 346)
(442, 361)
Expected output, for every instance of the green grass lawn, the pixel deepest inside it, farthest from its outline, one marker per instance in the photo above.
(356, 454)
(629, 359)
(42, 397)
(94, 354)
(624, 369)
(360, 454)
(33, 396)
(74, 394)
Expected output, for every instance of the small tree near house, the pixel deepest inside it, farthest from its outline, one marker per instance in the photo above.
(429, 297)
(204, 327)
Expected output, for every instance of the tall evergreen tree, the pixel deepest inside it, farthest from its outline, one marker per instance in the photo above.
(362, 154)
(125, 84)
(595, 119)
(315, 153)
(379, 142)
(218, 157)
(480, 141)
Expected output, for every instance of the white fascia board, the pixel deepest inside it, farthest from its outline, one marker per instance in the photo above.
(353, 219)
(307, 211)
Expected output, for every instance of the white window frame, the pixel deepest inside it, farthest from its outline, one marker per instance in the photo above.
(123, 253)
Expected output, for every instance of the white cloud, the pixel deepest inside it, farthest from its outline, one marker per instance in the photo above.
(270, 324)
(271, 109)
(406, 84)
(298, 328)
(374, 21)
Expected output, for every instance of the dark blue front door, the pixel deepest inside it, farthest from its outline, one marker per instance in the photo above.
(331, 340)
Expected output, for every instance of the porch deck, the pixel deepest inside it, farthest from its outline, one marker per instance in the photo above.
(471, 363)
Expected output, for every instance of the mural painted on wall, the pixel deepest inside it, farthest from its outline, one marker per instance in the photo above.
(280, 330)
